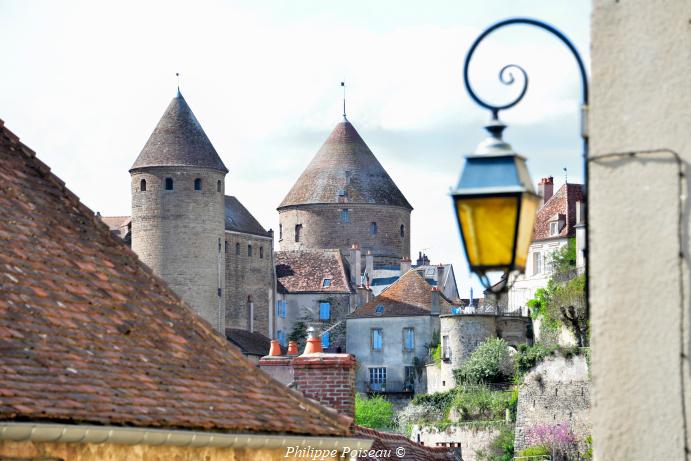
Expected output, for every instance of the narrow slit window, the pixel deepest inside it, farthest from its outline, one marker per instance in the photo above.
(298, 232)
(169, 183)
(219, 186)
(198, 184)
(261, 252)
(249, 250)
(402, 230)
(373, 228)
(237, 249)
(142, 185)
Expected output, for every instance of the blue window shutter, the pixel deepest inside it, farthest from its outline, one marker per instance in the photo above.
(324, 311)
(325, 340)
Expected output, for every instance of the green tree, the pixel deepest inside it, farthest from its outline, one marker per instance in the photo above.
(490, 362)
(375, 412)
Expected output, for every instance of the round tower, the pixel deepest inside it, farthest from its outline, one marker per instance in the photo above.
(178, 211)
(345, 197)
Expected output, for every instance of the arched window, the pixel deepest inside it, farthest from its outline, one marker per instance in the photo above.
(298, 231)
(261, 252)
(249, 250)
(142, 185)
(198, 184)
(373, 228)
(218, 186)
(237, 249)
(169, 183)
(402, 230)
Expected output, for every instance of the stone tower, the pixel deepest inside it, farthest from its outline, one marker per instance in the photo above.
(345, 197)
(178, 212)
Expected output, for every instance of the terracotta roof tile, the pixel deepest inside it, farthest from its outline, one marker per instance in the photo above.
(407, 296)
(345, 171)
(563, 202)
(89, 335)
(412, 451)
(304, 271)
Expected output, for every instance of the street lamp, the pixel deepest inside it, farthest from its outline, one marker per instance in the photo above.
(495, 202)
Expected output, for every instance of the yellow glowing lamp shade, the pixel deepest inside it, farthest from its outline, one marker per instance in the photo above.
(495, 205)
(497, 230)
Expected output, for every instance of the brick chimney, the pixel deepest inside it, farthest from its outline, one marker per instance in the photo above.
(355, 265)
(440, 277)
(328, 379)
(545, 188)
(436, 301)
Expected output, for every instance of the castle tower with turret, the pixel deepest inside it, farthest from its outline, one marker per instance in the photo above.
(345, 197)
(178, 211)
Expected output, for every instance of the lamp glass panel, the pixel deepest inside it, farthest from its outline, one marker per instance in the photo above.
(488, 225)
(529, 205)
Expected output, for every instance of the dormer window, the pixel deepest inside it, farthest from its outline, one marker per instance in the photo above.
(326, 283)
(554, 228)
(379, 310)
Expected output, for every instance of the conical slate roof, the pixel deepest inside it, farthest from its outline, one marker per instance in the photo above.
(345, 171)
(179, 140)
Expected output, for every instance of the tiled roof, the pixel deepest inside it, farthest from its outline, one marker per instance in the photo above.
(179, 140)
(88, 335)
(562, 202)
(239, 219)
(115, 223)
(409, 295)
(345, 171)
(304, 271)
(411, 451)
(250, 343)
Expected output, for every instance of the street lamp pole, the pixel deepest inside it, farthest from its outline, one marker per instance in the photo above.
(507, 78)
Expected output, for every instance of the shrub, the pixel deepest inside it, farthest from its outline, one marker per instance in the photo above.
(439, 400)
(529, 356)
(421, 413)
(536, 450)
(558, 438)
(487, 364)
(375, 412)
(477, 402)
(501, 447)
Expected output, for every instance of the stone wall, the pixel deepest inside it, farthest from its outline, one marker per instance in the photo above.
(115, 452)
(249, 278)
(322, 229)
(306, 306)
(178, 233)
(554, 392)
(465, 437)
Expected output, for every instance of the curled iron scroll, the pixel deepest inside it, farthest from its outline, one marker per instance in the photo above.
(506, 76)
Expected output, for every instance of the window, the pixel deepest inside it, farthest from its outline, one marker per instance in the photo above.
(324, 310)
(219, 245)
(219, 186)
(198, 184)
(377, 339)
(280, 232)
(220, 292)
(408, 339)
(298, 231)
(445, 348)
(537, 263)
(326, 283)
(261, 252)
(237, 249)
(373, 228)
(249, 250)
(377, 378)
(402, 230)
(409, 378)
(281, 308)
(379, 310)
(554, 228)
(142, 185)
(345, 216)
(325, 340)
(169, 183)
(227, 247)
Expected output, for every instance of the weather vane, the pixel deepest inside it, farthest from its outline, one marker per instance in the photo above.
(344, 96)
(177, 74)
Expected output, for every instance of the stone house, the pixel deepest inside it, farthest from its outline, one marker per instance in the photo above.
(558, 218)
(206, 245)
(102, 360)
(390, 335)
(313, 287)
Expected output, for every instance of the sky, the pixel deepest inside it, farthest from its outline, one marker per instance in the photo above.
(84, 83)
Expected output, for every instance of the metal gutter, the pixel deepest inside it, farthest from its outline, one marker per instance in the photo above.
(66, 433)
